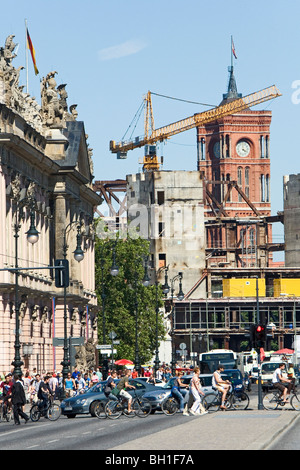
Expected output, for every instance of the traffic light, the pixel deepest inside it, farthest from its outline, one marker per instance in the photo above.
(260, 336)
(62, 274)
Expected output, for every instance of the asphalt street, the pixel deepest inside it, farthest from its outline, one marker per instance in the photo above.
(251, 429)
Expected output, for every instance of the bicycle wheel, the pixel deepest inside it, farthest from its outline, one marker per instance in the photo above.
(142, 407)
(169, 406)
(211, 402)
(270, 401)
(240, 401)
(35, 413)
(295, 402)
(113, 409)
(53, 412)
(100, 410)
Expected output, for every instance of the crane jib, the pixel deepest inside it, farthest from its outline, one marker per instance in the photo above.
(198, 119)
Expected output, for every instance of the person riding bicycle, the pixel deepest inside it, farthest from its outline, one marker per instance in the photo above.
(125, 384)
(177, 391)
(110, 384)
(6, 393)
(44, 393)
(221, 385)
(278, 381)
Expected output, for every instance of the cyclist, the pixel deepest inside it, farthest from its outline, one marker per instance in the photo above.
(122, 385)
(44, 393)
(110, 384)
(278, 382)
(177, 391)
(6, 394)
(219, 384)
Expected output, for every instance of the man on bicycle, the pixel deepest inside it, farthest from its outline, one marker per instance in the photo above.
(122, 385)
(44, 393)
(278, 381)
(221, 385)
(178, 392)
(6, 393)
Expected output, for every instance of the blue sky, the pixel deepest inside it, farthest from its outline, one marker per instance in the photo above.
(111, 53)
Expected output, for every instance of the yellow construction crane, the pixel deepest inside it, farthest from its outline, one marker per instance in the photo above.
(153, 135)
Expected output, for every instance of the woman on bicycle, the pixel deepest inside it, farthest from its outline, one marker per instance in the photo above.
(110, 385)
(177, 391)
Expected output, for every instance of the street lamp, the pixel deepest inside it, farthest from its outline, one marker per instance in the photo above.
(32, 237)
(180, 296)
(78, 256)
(294, 327)
(114, 271)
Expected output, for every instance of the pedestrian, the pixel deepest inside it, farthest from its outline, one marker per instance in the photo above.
(18, 400)
(134, 374)
(197, 407)
(99, 374)
(95, 378)
(178, 392)
(69, 385)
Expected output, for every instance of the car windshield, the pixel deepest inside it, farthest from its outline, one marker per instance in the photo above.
(234, 375)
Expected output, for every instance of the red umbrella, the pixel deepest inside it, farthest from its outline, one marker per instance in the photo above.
(284, 351)
(123, 362)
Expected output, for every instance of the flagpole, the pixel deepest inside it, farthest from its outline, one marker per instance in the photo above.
(26, 55)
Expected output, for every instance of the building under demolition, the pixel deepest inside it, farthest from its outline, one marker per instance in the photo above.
(214, 225)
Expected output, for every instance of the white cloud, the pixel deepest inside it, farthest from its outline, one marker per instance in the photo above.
(121, 50)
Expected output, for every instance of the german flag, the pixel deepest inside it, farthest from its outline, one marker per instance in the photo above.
(32, 51)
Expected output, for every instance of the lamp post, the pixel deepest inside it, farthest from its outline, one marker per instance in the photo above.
(294, 327)
(165, 289)
(180, 296)
(78, 256)
(32, 237)
(114, 271)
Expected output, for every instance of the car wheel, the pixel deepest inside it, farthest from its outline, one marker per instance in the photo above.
(92, 408)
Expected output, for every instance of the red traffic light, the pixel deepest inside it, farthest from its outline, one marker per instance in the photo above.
(259, 328)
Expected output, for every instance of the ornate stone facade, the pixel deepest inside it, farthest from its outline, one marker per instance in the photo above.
(45, 159)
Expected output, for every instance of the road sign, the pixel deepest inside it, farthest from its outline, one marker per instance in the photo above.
(108, 351)
(182, 346)
(103, 346)
(74, 341)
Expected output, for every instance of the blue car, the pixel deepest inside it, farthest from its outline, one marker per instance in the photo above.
(236, 378)
(85, 403)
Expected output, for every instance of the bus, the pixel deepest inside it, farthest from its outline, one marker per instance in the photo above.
(210, 360)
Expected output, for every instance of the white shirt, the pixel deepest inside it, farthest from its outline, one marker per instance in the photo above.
(277, 376)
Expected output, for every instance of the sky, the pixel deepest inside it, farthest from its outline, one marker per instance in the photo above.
(110, 53)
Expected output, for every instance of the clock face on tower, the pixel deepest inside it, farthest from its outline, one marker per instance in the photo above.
(243, 148)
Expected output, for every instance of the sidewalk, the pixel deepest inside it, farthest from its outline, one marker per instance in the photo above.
(251, 429)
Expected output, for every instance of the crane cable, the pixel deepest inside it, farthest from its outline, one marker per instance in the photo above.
(186, 101)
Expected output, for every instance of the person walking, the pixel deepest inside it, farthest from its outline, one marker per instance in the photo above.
(18, 400)
(197, 407)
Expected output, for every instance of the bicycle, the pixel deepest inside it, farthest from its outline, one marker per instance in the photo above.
(51, 412)
(170, 406)
(140, 407)
(274, 399)
(235, 399)
(6, 412)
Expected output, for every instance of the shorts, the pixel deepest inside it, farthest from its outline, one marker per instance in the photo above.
(279, 386)
(125, 394)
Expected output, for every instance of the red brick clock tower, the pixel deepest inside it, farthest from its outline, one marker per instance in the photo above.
(236, 149)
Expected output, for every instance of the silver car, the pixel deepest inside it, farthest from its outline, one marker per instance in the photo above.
(156, 397)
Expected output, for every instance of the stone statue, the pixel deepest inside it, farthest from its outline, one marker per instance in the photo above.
(52, 110)
(85, 356)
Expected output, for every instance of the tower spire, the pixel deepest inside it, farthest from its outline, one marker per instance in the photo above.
(232, 93)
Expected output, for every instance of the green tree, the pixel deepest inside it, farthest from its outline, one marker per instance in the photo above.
(121, 295)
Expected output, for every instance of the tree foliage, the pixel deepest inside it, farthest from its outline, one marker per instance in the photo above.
(119, 295)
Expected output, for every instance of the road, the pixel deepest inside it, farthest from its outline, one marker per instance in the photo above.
(290, 440)
(83, 432)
